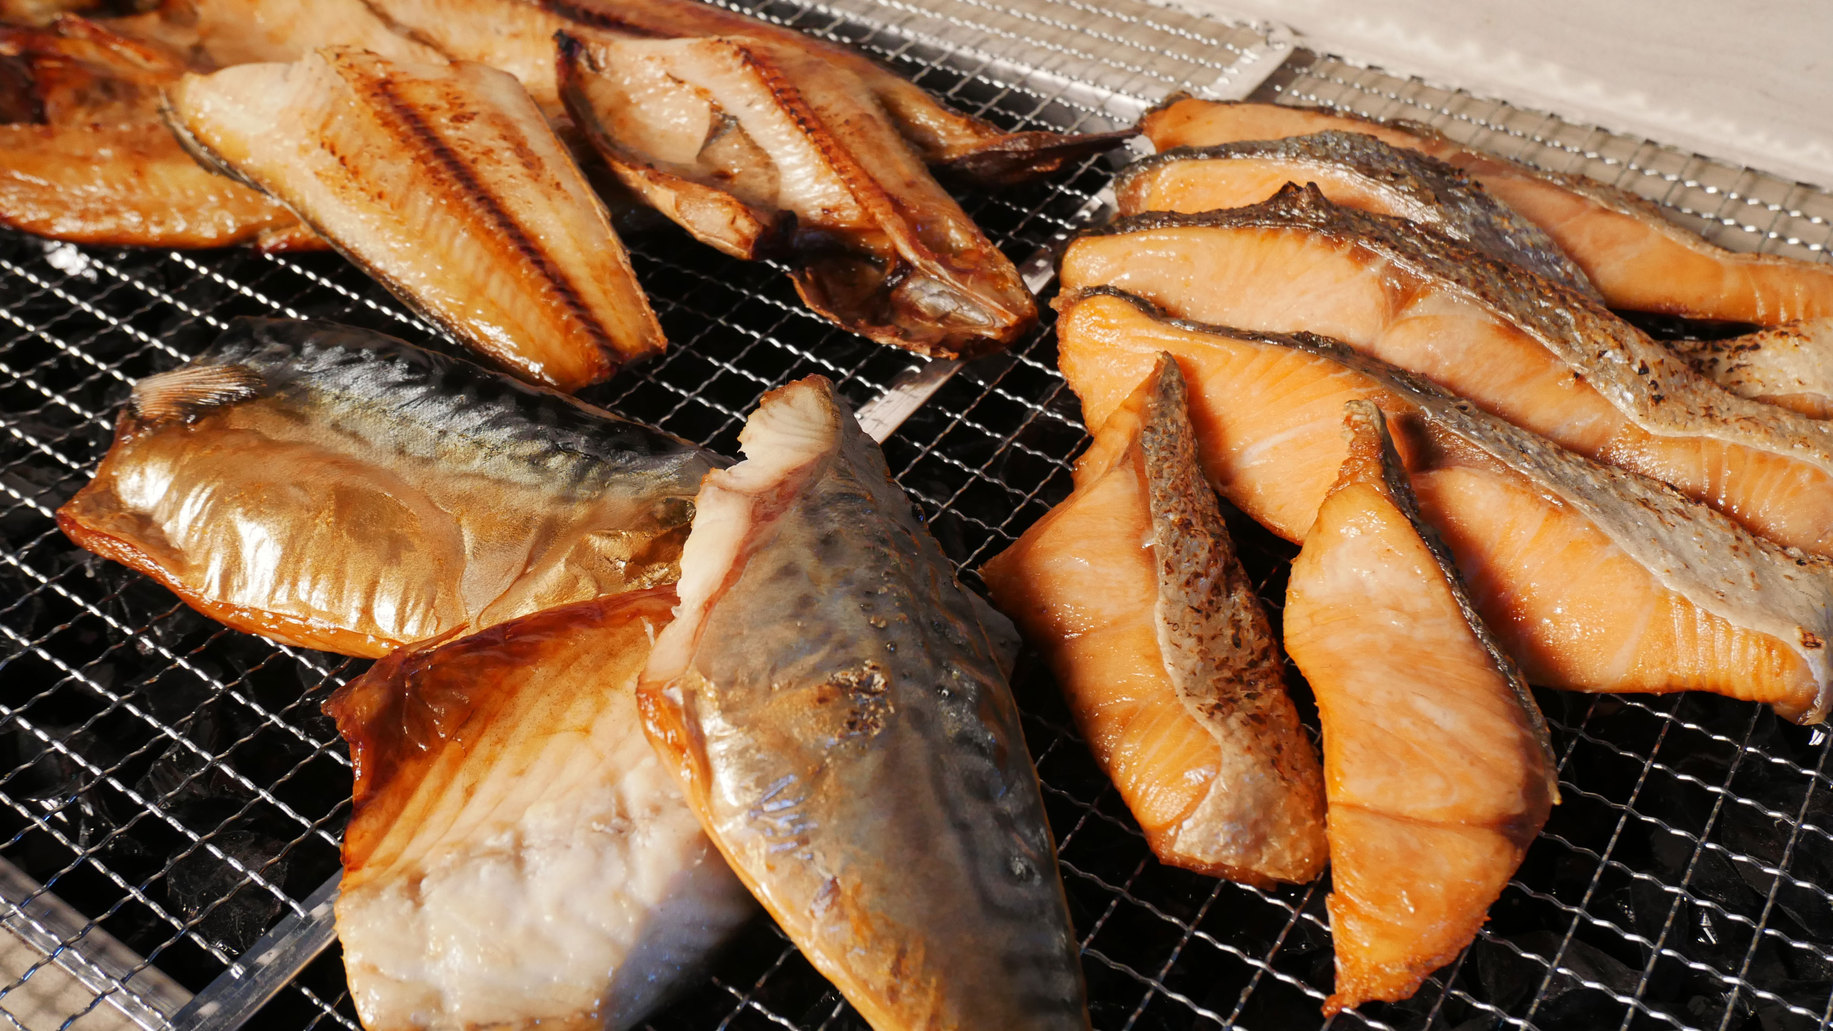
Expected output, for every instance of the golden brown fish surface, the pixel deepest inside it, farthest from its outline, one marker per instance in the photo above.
(1790, 365)
(1637, 258)
(1521, 347)
(447, 185)
(761, 150)
(1436, 758)
(334, 488)
(844, 731)
(1164, 653)
(216, 34)
(517, 857)
(1594, 578)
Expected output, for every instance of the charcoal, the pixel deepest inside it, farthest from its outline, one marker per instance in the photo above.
(246, 910)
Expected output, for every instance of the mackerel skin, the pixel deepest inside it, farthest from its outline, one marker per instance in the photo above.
(1353, 170)
(335, 488)
(1518, 345)
(843, 729)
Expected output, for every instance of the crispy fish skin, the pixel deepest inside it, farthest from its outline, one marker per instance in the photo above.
(844, 732)
(1637, 258)
(334, 488)
(1521, 347)
(1437, 762)
(1353, 170)
(1164, 653)
(1790, 365)
(446, 184)
(760, 150)
(517, 856)
(1596, 579)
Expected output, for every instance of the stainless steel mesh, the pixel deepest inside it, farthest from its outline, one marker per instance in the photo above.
(174, 783)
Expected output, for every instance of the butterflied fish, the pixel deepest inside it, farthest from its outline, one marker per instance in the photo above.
(517, 36)
(517, 856)
(447, 185)
(1524, 348)
(1636, 258)
(1354, 170)
(1164, 653)
(761, 150)
(1789, 365)
(1436, 759)
(844, 732)
(84, 158)
(335, 488)
(215, 34)
(1594, 579)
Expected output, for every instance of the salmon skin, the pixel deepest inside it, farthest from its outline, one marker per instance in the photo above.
(762, 151)
(1636, 258)
(517, 857)
(1594, 578)
(1519, 346)
(1790, 365)
(334, 488)
(84, 158)
(1437, 762)
(517, 36)
(844, 731)
(1164, 653)
(1353, 170)
(447, 185)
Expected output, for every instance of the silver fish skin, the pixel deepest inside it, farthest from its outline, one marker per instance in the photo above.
(336, 488)
(1412, 185)
(844, 731)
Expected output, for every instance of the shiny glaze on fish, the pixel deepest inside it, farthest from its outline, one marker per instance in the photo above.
(1637, 258)
(762, 151)
(1789, 365)
(517, 857)
(517, 36)
(1164, 653)
(1436, 758)
(447, 185)
(1595, 579)
(1353, 170)
(84, 158)
(844, 731)
(1520, 346)
(334, 488)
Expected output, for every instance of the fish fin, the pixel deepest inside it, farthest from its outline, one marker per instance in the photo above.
(184, 393)
(1020, 157)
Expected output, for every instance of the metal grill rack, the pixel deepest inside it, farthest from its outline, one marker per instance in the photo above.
(173, 788)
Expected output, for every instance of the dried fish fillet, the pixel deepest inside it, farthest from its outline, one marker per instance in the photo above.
(1436, 759)
(216, 34)
(868, 781)
(1164, 653)
(446, 184)
(1593, 578)
(1637, 258)
(1790, 365)
(762, 151)
(517, 856)
(1353, 170)
(334, 488)
(1521, 347)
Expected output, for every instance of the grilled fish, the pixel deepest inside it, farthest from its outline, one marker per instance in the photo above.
(759, 149)
(1354, 170)
(446, 184)
(84, 158)
(1436, 759)
(517, 857)
(848, 740)
(334, 488)
(1789, 365)
(1164, 653)
(1538, 355)
(1593, 578)
(1637, 258)
(517, 36)
(216, 34)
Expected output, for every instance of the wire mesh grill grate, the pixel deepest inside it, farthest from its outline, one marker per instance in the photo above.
(176, 784)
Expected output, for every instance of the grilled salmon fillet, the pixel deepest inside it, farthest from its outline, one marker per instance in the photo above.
(1437, 764)
(1594, 579)
(1790, 365)
(1164, 653)
(1637, 258)
(1521, 347)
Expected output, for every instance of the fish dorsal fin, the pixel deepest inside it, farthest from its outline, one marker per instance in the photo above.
(184, 393)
